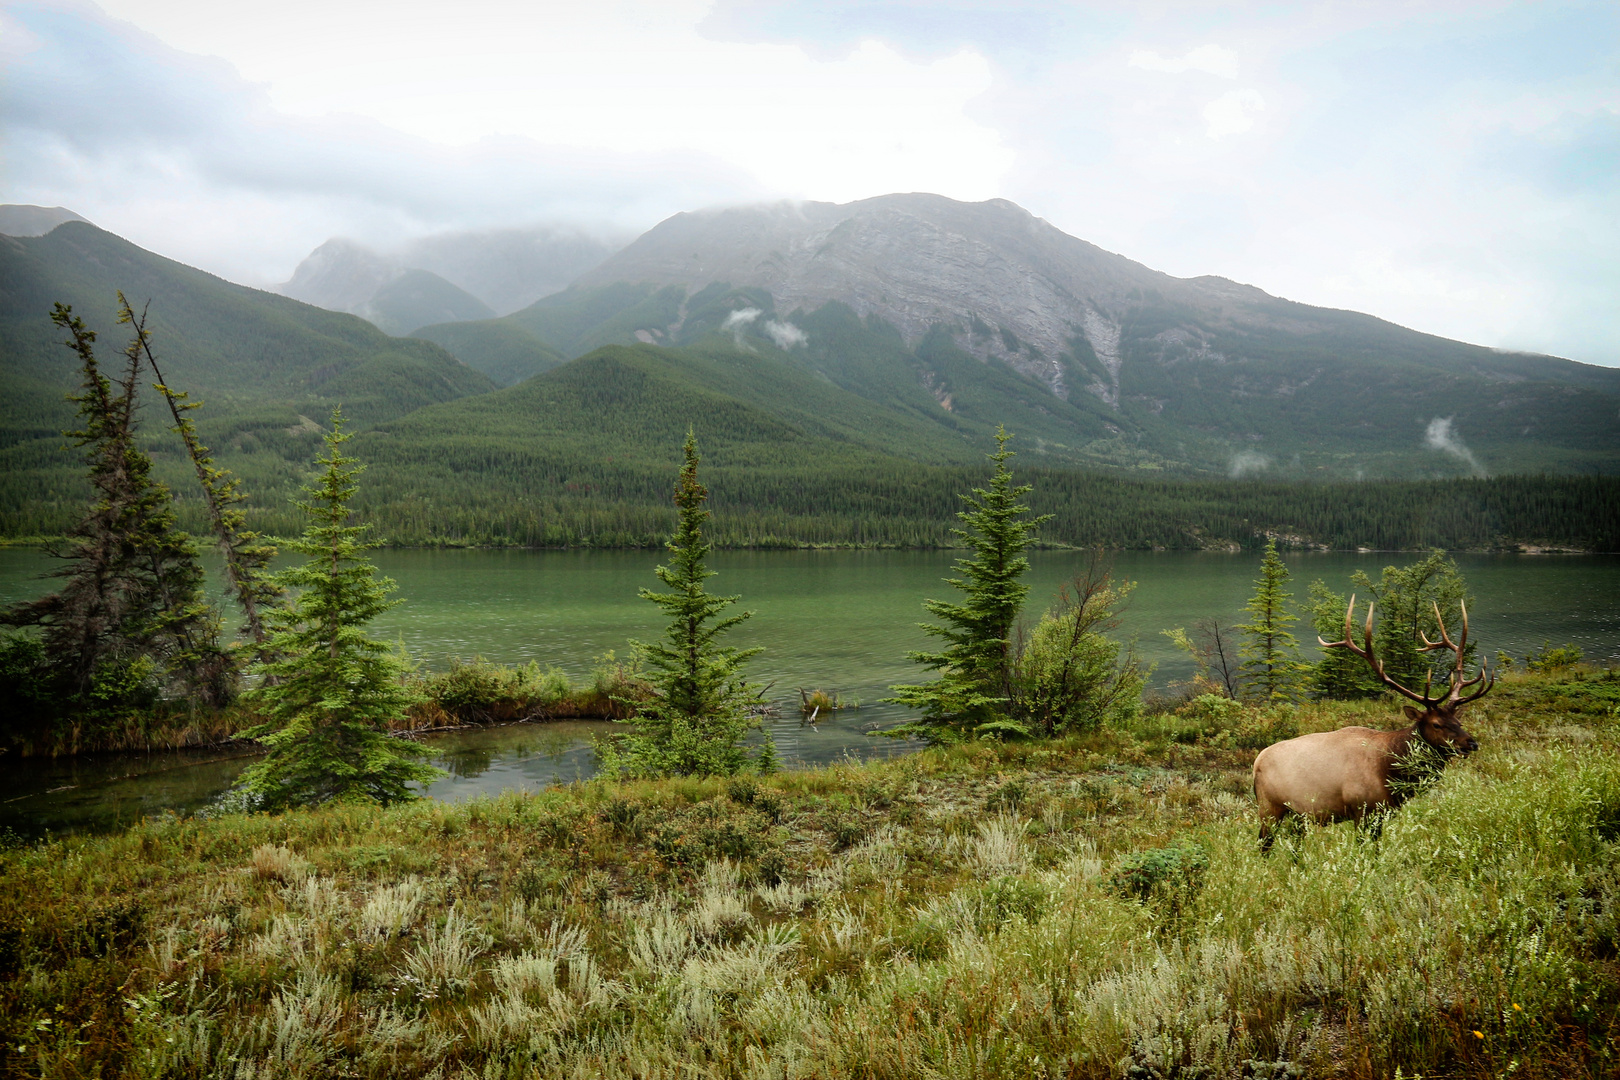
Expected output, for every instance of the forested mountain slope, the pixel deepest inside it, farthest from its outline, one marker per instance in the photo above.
(994, 315)
(268, 368)
(586, 454)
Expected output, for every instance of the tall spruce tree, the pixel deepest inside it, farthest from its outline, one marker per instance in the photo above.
(330, 691)
(700, 711)
(132, 620)
(1272, 669)
(976, 665)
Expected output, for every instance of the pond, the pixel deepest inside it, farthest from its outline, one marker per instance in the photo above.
(834, 620)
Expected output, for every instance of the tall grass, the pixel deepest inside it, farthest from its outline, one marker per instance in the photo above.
(983, 911)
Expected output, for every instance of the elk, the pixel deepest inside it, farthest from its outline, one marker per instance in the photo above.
(1344, 775)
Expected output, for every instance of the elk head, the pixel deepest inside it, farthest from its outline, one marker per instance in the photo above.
(1436, 723)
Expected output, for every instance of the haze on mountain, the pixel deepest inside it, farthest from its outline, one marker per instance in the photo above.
(973, 314)
(446, 277)
(845, 392)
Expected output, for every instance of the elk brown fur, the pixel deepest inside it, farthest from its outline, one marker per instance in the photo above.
(1346, 774)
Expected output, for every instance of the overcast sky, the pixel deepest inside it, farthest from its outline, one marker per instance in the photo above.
(1452, 166)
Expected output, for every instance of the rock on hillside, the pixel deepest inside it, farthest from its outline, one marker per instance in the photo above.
(920, 260)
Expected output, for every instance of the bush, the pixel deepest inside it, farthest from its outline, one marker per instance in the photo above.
(1069, 675)
(1218, 721)
(1548, 660)
(484, 693)
(1170, 874)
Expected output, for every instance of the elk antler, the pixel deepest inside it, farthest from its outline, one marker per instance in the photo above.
(1455, 676)
(1373, 662)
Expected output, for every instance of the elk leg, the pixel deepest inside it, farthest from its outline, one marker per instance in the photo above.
(1271, 816)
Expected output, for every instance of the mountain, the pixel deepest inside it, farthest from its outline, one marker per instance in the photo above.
(417, 297)
(998, 316)
(509, 269)
(445, 278)
(859, 414)
(20, 219)
(268, 368)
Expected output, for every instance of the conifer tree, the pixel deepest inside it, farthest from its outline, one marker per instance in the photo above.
(1407, 598)
(329, 690)
(1271, 666)
(133, 611)
(699, 715)
(247, 554)
(1340, 673)
(975, 663)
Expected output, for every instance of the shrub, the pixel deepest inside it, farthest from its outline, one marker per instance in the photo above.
(484, 693)
(1221, 722)
(1170, 874)
(1548, 660)
(1069, 675)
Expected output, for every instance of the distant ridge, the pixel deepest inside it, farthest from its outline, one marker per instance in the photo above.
(21, 219)
(475, 275)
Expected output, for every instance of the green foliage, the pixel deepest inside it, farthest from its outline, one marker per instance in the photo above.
(1068, 674)
(1407, 598)
(1216, 720)
(858, 920)
(975, 686)
(1213, 649)
(1271, 665)
(1340, 674)
(1170, 875)
(1549, 660)
(330, 692)
(132, 617)
(698, 714)
(479, 692)
(247, 554)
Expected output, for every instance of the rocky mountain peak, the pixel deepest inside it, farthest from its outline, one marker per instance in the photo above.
(1005, 283)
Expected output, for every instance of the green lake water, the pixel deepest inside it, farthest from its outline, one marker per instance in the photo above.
(834, 620)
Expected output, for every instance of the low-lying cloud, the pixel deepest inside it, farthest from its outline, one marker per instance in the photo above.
(1247, 463)
(1442, 436)
(785, 334)
(738, 321)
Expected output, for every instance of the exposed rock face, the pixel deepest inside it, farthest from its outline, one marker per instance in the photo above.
(1008, 284)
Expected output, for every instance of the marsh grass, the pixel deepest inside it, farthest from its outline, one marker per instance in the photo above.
(1094, 907)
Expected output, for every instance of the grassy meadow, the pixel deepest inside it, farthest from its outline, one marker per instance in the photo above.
(1093, 907)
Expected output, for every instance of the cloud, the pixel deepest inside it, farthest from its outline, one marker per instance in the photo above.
(1209, 59)
(1247, 463)
(305, 130)
(785, 334)
(1442, 437)
(1447, 165)
(738, 321)
(1232, 113)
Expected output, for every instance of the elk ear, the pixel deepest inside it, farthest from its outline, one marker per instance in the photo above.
(1412, 714)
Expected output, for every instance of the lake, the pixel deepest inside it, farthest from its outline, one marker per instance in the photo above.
(833, 620)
